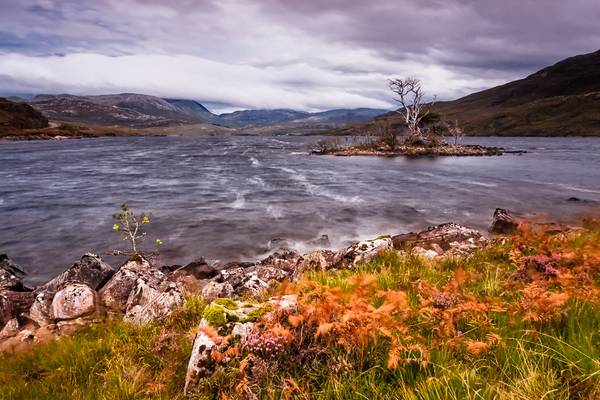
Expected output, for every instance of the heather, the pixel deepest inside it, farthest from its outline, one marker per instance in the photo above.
(517, 319)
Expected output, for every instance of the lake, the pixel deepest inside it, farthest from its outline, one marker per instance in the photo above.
(228, 197)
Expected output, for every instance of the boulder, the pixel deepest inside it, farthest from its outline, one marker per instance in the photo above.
(320, 260)
(13, 304)
(252, 285)
(73, 301)
(439, 240)
(363, 251)
(41, 310)
(284, 260)
(90, 271)
(142, 292)
(147, 303)
(503, 222)
(11, 328)
(199, 269)
(15, 298)
(115, 293)
(225, 317)
(11, 275)
(201, 361)
(214, 289)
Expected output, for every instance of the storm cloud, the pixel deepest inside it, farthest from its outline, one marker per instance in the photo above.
(308, 55)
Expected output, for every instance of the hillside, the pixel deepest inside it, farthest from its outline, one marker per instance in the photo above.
(15, 115)
(126, 110)
(560, 100)
(132, 110)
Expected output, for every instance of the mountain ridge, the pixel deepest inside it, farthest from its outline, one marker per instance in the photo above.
(146, 111)
(562, 99)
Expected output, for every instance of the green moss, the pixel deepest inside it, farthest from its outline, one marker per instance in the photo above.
(215, 315)
(227, 303)
(256, 313)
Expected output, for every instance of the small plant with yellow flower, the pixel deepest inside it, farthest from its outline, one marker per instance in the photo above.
(131, 228)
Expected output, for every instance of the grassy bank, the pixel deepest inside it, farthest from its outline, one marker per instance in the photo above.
(519, 319)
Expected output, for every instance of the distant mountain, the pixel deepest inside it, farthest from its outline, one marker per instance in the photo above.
(246, 118)
(128, 110)
(14, 115)
(143, 111)
(560, 100)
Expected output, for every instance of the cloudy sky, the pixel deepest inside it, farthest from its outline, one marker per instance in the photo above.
(301, 54)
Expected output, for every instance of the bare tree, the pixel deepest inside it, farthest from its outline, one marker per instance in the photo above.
(383, 129)
(410, 97)
(456, 132)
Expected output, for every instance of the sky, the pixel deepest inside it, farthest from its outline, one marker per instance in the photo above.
(300, 54)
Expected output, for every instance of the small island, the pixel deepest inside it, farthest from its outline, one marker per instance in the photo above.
(423, 132)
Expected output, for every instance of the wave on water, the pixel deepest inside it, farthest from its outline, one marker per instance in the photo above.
(561, 185)
(257, 180)
(315, 190)
(465, 181)
(274, 211)
(240, 201)
(255, 163)
(578, 189)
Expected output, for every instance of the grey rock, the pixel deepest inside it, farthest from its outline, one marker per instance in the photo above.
(147, 303)
(320, 260)
(13, 304)
(11, 328)
(503, 222)
(199, 269)
(90, 270)
(242, 330)
(11, 275)
(443, 239)
(115, 293)
(214, 289)
(365, 250)
(73, 301)
(201, 362)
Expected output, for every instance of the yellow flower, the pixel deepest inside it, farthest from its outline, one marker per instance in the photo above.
(145, 220)
(116, 228)
(159, 242)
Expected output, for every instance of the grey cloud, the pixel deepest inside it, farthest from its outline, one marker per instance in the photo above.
(339, 50)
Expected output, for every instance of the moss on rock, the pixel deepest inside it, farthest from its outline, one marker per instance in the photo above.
(215, 315)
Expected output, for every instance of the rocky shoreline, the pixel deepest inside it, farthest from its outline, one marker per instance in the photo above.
(139, 292)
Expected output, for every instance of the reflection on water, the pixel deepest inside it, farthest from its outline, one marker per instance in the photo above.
(226, 198)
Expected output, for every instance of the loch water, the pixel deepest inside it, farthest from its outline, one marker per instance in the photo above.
(233, 198)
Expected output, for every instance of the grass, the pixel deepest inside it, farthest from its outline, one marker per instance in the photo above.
(499, 324)
(112, 360)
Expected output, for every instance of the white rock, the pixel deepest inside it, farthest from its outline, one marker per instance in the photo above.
(242, 330)
(40, 310)
(73, 301)
(213, 289)
(147, 304)
(367, 249)
(10, 329)
(254, 285)
(284, 302)
(200, 360)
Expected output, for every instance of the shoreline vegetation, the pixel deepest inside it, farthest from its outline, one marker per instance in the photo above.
(412, 150)
(444, 313)
(421, 133)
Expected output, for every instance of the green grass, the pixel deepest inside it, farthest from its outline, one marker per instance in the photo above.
(112, 360)
(558, 358)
